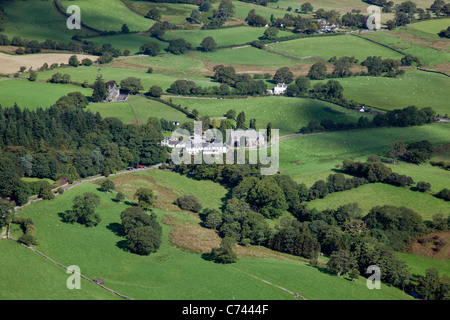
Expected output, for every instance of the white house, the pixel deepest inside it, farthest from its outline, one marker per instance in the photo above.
(280, 88)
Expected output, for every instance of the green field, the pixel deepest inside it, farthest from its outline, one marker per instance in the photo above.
(28, 276)
(110, 15)
(171, 12)
(378, 194)
(137, 110)
(34, 94)
(223, 37)
(309, 158)
(286, 114)
(83, 73)
(420, 264)
(130, 41)
(432, 26)
(251, 57)
(42, 21)
(328, 46)
(172, 273)
(433, 52)
(418, 88)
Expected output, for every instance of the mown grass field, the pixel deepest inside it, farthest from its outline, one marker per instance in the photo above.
(137, 110)
(286, 114)
(34, 94)
(172, 273)
(414, 88)
(309, 158)
(326, 47)
(378, 194)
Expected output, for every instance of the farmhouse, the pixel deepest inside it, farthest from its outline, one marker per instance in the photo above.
(114, 93)
(280, 88)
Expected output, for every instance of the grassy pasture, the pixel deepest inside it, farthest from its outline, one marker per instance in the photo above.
(432, 26)
(418, 88)
(434, 52)
(223, 37)
(34, 94)
(329, 46)
(130, 41)
(137, 110)
(83, 73)
(286, 114)
(172, 273)
(37, 20)
(420, 264)
(250, 59)
(378, 194)
(171, 12)
(309, 158)
(109, 15)
(28, 276)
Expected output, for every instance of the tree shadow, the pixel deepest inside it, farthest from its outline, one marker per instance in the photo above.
(116, 228)
(62, 215)
(123, 244)
(207, 256)
(324, 270)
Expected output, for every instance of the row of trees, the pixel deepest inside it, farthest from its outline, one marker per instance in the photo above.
(410, 116)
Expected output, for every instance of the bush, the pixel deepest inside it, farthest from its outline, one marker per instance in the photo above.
(189, 202)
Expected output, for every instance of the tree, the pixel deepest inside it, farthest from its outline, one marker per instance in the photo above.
(270, 33)
(396, 150)
(225, 253)
(155, 91)
(87, 62)
(267, 198)
(107, 186)
(437, 7)
(318, 71)
(208, 44)
(120, 197)
(213, 220)
(189, 202)
(303, 84)
(83, 210)
(178, 46)
(32, 76)
(283, 75)
(100, 92)
(125, 29)
(6, 212)
(423, 186)
(306, 7)
(240, 121)
(255, 20)
(341, 262)
(73, 61)
(131, 85)
(154, 14)
(145, 198)
(144, 240)
(225, 75)
(150, 48)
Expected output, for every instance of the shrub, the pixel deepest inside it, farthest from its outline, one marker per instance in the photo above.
(188, 202)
